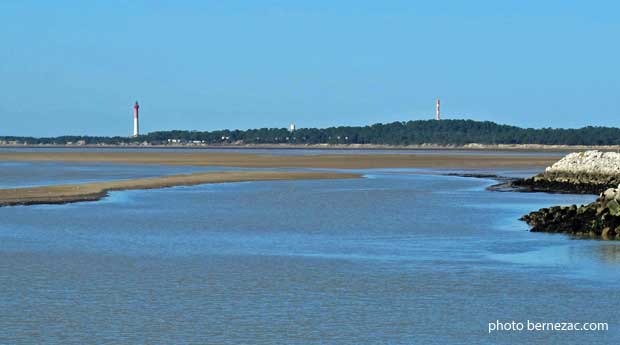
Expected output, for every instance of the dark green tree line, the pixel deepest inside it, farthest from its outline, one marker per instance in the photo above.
(444, 132)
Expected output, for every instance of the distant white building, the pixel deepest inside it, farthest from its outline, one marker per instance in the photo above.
(292, 127)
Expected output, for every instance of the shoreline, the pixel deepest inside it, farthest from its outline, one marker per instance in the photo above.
(70, 193)
(503, 183)
(590, 172)
(352, 147)
(324, 161)
(59, 194)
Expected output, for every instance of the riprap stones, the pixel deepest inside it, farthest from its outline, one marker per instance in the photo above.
(598, 219)
(588, 172)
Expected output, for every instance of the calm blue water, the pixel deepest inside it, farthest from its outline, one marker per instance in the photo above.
(398, 257)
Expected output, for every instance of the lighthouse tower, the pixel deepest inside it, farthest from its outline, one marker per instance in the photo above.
(136, 124)
(437, 113)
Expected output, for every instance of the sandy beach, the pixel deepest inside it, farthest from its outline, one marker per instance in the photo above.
(333, 161)
(94, 191)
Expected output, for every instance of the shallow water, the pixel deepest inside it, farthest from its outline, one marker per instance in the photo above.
(398, 257)
(28, 174)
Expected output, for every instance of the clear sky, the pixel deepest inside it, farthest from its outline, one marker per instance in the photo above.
(76, 67)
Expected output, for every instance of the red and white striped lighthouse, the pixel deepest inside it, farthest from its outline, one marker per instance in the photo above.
(136, 125)
(437, 113)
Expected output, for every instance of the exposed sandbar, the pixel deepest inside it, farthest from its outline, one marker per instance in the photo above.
(333, 161)
(60, 194)
(352, 147)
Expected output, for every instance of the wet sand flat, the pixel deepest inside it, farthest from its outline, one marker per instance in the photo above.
(67, 193)
(334, 161)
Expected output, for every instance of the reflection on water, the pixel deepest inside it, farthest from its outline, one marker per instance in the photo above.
(609, 252)
(399, 258)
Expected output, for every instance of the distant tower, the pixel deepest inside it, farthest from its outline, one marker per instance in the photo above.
(136, 125)
(438, 112)
(291, 128)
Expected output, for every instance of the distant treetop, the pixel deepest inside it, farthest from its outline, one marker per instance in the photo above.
(444, 132)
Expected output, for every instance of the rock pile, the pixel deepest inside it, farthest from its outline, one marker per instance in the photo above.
(588, 172)
(600, 218)
(589, 162)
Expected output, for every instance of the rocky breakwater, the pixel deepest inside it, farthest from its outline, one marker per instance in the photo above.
(598, 219)
(588, 172)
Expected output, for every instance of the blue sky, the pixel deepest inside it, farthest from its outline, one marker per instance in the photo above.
(71, 67)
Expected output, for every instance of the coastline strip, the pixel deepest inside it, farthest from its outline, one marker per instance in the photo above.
(68, 193)
(328, 161)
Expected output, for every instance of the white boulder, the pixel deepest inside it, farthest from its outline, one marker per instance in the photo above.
(589, 162)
